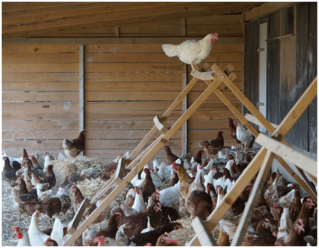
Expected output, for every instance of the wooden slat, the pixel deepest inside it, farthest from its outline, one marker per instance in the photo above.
(132, 86)
(204, 235)
(40, 67)
(254, 120)
(40, 58)
(13, 6)
(37, 48)
(220, 19)
(302, 161)
(133, 67)
(40, 86)
(92, 134)
(136, 77)
(78, 216)
(24, 76)
(216, 27)
(253, 199)
(40, 96)
(152, 48)
(200, 86)
(38, 125)
(49, 107)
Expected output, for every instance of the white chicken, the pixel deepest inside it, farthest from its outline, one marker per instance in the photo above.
(23, 236)
(192, 51)
(243, 135)
(47, 161)
(170, 196)
(36, 237)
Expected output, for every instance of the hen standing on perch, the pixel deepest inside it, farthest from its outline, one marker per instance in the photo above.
(73, 147)
(192, 51)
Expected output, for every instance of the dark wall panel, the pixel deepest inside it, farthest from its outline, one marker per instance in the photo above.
(273, 70)
(312, 74)
(251, 81)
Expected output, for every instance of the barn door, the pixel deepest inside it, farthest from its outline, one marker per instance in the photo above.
(262, 71)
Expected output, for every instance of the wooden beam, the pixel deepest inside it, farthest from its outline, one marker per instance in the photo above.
(266, 9)
(302, 161)
(184, 108)
(290, 119)
(178, 124)
(86, 41)
(81, 88)
(205, 236)
(254, 120)
(117, 32)
(78, 216)
(234, 193)
(159, 125)
(252, 200)
(121, 18)
(13, 6)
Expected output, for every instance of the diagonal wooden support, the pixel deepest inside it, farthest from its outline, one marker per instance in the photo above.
(288, 153)
(254, 120)
(253, 199)
(205, 236)
(78, 216)
(147, 157)
(234, 193)
(159, 125)
(294, 114)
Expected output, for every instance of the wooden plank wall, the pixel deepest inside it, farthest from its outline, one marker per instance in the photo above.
(126, 85)
(39, 97)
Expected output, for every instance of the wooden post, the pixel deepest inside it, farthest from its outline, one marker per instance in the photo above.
(253, 198)
(205, 236)
(234, 193)
(184, 108)
(288, 153)
(81, 89)
(77, 217)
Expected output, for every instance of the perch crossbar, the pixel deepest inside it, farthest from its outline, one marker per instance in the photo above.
(275, 147)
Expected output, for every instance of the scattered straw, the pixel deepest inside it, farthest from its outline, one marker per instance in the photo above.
(63, 167)
(89, 187)
(184, 234)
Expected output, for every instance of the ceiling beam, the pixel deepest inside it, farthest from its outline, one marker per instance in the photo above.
(121, 18)
(266, 9)
(12, 6)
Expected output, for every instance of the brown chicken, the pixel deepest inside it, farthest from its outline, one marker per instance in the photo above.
(200, 204)
(198, 156)
(295, 207)
(214, 146)
(135, 223)
(185, 179)
(8, 172)
(170, 157)
(174, 180)
(109, 170)
(49, 177)
(148, 187)
(223, 239)
(300, 227)
(109, 231)
(73, 147)
(232, 130)
(152, 236)
(53, 207)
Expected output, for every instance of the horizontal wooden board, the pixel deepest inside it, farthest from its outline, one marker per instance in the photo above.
(218, 57)
(126, 124)
(40, 86)
(238, 66)
(33, 76)
(40, 58)
(40, 67)
(133, 86)
(208, 134)
(91, 134)
(34, 107)
(218, 19)
(41, 96)
(192, 96)
(152, 48)
(39, 48)
(39, 125)
(135, 77)
(133, 67)
(239, 77)
(89, 144)
(208, 124)
(204, 29)
(201, 86)
(149, 115)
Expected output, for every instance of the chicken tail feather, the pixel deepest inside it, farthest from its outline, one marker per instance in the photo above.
(170, 50)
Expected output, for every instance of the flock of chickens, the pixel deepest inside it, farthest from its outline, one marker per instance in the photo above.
(193, 185)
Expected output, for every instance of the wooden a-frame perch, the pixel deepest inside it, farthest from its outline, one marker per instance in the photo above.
(136, 162)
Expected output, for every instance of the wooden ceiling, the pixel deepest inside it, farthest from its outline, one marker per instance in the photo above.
(35, 19)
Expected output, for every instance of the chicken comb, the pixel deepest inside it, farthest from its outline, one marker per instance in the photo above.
(148, 244)
(16, 228)
(171, 241)
(216, 34)
(250, 185)
(119, 213)
(72, 186)
(45, 153)
(48, 239)
(85, 130)
(66, 227)
(218, 187)
(159, 204)
(19, 178)
(166, 234)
